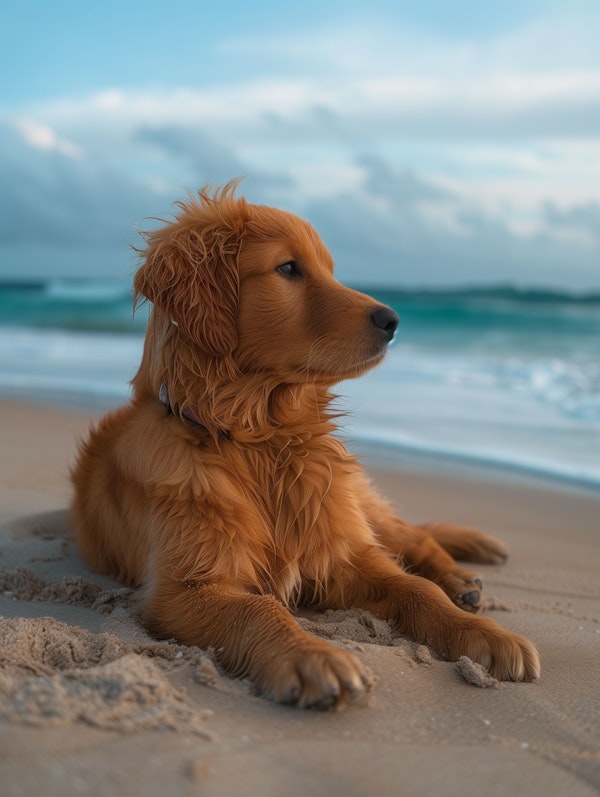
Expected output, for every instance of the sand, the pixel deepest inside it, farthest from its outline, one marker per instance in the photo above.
(91, 704)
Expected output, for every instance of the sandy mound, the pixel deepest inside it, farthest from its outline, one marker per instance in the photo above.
(475, 674)
(23, 584)
(55, 674)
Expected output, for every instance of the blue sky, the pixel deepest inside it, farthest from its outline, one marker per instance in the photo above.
(430, 143)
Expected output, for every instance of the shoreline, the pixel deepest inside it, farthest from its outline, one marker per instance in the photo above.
(470, 467)
(170, 721)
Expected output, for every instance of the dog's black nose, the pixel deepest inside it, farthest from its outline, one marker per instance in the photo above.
(386, 320)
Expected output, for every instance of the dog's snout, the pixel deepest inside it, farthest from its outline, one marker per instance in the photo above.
(386, 320)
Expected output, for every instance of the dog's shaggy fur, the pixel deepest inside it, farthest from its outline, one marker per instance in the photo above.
(220, 489)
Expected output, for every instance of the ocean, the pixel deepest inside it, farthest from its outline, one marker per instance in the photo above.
(497, 376)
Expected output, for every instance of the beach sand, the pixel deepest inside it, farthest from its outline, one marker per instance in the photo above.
(90, 704)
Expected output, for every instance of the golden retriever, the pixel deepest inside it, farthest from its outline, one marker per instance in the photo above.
(221, 490)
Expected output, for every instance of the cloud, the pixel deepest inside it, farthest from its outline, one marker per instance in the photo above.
(51, 197)
(402, 188)
(585, 217)
(66, 213)
(386, 234)
(394, 227)
(42, 137)
(541, 78)
(206, 160)
(578, 224)
(371, 74)
(431, 159)
(513, 103)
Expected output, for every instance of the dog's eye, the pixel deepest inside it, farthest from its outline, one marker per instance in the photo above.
(289, 269)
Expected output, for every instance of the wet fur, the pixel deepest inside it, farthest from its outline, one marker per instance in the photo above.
(226, 522)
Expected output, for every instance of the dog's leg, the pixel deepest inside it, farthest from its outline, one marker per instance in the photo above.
(422, 555)
(429, 550)
(467, 544)
(254, 635)
(420, 610)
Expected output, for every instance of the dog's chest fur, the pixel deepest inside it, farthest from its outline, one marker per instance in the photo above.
(309, 480)
(277, 516)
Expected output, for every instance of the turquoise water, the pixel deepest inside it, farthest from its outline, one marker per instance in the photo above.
(501, 376)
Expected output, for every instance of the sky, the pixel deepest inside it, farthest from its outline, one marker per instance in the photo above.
(430, 143)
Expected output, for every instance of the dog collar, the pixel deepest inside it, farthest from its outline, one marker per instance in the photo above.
(187, 413)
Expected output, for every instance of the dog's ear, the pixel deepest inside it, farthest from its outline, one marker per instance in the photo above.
(191, 273)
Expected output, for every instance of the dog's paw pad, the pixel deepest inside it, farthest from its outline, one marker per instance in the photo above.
(472, 598)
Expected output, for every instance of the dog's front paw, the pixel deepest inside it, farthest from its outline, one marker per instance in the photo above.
(465, 589)
(319, 676)
(506, 656)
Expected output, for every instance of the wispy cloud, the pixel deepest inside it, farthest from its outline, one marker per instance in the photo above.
(40, 136)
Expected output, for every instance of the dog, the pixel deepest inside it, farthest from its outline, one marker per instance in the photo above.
(221, 490)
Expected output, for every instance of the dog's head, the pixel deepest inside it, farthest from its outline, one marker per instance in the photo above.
(254, 286)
